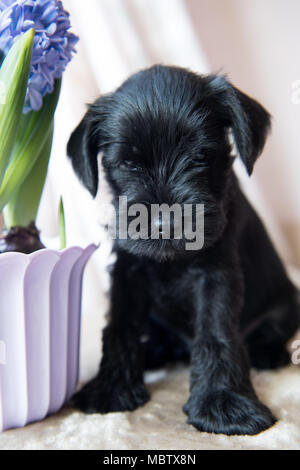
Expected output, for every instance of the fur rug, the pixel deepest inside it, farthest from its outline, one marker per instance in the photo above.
(160, 424)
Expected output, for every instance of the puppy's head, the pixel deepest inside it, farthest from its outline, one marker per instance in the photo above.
(164, 139)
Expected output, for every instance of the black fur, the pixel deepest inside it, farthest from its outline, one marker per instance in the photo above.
(230, 305)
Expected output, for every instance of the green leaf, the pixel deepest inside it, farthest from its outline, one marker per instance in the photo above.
(14, 74)
(62, 224)
(22, 208)
(28, 145)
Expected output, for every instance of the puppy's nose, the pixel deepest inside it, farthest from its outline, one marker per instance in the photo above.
(158, 225)
(162, 227)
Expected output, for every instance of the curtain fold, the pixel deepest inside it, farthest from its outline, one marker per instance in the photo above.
(256, 43)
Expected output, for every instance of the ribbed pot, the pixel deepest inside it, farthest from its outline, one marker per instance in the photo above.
(40, 309)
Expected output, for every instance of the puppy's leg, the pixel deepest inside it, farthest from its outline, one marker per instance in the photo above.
(267, 342)
(222, 399)
(119, 384)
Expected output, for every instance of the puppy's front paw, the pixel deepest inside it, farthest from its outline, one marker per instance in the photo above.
(228, 413)
(99, 396)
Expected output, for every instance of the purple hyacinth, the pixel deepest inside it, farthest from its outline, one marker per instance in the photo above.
(53, 43)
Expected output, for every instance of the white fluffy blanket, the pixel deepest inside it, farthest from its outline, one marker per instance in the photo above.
(160, 424)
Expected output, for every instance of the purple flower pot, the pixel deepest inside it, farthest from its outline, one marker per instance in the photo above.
(40, 308)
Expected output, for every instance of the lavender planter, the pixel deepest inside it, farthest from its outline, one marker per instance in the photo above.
(40, 307)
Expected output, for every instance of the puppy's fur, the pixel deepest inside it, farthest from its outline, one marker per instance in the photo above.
(228, 306)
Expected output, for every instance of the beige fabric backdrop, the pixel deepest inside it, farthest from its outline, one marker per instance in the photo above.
(255, 42)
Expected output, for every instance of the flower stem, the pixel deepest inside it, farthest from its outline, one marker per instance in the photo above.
(14, 74)
(28, 146)
(22, 208)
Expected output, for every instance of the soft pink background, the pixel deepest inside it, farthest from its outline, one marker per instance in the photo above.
(255, 42)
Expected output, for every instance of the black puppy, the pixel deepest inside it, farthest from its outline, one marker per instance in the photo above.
(228, 305)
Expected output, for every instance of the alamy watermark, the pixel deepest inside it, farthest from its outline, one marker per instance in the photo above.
(295, 357)
(2, 353)
(157, 221)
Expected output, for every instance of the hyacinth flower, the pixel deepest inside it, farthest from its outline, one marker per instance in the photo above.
(35, 48)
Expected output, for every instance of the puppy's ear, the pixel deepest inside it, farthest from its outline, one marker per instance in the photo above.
(83, 149)
(248, 120)
(87, 140)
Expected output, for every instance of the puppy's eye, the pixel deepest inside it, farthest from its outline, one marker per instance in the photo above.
(199, 161)
(129, 165)
(200, 164)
